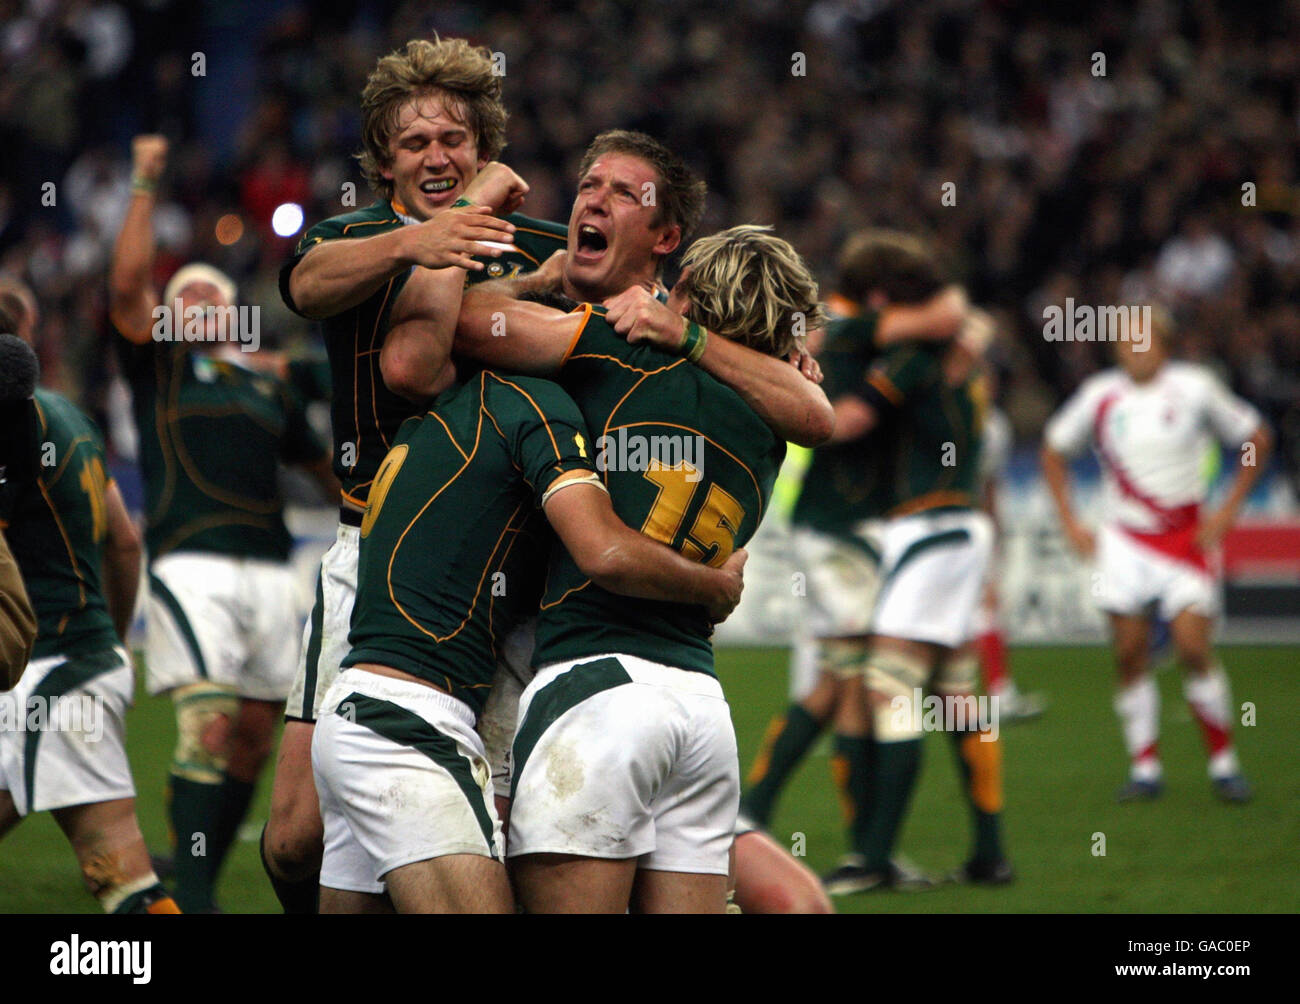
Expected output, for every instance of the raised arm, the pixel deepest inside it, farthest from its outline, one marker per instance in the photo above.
(121, 562)
(617, 558)
(132, 297)
(793, 406)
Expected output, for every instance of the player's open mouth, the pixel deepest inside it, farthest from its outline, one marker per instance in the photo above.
(437, 187)
(592, 244)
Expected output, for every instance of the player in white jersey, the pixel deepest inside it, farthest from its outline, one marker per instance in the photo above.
(1150, 421)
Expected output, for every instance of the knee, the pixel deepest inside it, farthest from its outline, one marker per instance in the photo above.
(204, 716)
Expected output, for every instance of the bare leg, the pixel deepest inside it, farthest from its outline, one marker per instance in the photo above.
(453, 883)
(106, 838)
(678, 892)
(770, 880)
(344, 901)
(567, 883)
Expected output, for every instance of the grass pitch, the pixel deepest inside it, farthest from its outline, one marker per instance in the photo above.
(1184, 853)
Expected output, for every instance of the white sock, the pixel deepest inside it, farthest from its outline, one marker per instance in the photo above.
(1211, 701)
(1138, 708)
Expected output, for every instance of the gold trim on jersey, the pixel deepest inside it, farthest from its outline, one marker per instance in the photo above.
(932, 500)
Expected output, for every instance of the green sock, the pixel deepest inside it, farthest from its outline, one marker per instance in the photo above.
(232, 807)
(855, 759)
(786, 743)
(140, 902)
(986, 825)
(194, 809)
(896, 766)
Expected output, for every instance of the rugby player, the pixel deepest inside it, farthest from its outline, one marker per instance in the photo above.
(889, 291)
(433, 120)
(212, 434)
(934, 549)
(625, 780)
(63, 737)
(452, 556)
(1150, 421)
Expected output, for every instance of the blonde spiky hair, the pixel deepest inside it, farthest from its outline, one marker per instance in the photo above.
(750, 286)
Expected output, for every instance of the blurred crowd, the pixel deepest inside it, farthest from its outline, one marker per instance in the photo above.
(1115, 153)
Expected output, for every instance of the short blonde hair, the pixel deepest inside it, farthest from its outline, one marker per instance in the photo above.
(451, 68)
(752, 287)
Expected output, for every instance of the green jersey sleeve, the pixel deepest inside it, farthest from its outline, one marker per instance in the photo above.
(545, 430)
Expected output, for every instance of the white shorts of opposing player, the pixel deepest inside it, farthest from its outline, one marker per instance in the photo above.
(63, 732)
(325, 637)
(619, 757)
(932, 574)
(1130, 576)
(402, 777)
(222, 620)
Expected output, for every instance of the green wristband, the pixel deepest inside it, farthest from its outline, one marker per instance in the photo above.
(139, 184)
(694, 342)
(461, 202)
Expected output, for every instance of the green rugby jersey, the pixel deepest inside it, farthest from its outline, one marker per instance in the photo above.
(364, 413)
(641, 403)
(212, 435)
(57, 533)
(935, 428)
(847, 482)
(454, 543)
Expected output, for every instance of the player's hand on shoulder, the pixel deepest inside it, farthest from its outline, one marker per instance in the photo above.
(638, 315)
(550, 277)
(733, 581)
(454, 237)
(497, 187)
(149, 156)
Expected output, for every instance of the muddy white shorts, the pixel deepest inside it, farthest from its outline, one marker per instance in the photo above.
(325, 638)
(401, 777)
(1129, 576)
(933, 567)
(619, 757)
(220, 619)
(63, 732)
(841, 579)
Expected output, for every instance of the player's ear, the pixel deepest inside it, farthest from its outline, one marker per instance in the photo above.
(668, 240)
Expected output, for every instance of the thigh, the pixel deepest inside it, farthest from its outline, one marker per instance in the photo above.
(566, 883)
(679, 892)
(454, 883)
(347, 901)
(1192, 634)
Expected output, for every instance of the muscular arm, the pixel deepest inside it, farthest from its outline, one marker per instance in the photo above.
(792, 406)
(617, 558)
(131, 293)
(121, 562)
(417, 347)
(336, 275)
(936, 319)
(516, 335)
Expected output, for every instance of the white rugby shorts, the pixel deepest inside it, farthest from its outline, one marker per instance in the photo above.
(401, 776)
(618, 757)
(63, 732)
(325, 637)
